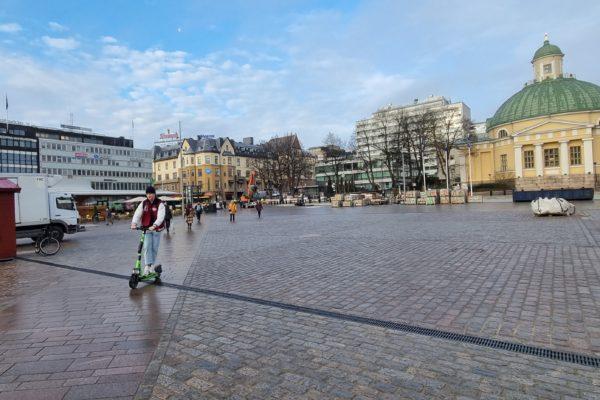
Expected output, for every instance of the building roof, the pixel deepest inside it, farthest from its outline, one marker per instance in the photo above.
(547, 49)
(203, 144)
(245, 150)
(548, 97)
(166, 153)
(6, 185)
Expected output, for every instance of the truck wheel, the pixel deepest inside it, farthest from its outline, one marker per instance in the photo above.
(56, 232)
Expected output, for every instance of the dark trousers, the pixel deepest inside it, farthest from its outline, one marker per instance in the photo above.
(259, 213)
(231, 217)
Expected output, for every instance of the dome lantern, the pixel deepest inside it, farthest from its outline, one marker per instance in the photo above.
(547, 61)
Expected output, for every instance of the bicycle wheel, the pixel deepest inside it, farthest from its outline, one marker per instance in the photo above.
(49, 246)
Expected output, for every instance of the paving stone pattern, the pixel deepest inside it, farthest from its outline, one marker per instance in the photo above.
(491, 270)
(72, 335)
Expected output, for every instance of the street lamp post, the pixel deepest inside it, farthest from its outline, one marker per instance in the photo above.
(403, 175)
(470, 170)
(424, 176)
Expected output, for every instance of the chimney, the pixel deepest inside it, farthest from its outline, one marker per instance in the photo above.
(248, 141)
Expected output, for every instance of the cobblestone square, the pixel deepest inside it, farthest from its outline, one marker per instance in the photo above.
(261, 309)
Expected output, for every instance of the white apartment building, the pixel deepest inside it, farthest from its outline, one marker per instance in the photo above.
(369, 134)
(94, 161)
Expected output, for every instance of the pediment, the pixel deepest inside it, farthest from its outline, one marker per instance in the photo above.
(552, 125)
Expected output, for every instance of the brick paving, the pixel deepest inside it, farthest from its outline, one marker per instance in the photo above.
(492, 270)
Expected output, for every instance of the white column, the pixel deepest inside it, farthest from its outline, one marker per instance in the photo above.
(518, 162)
(564, 157)
(539, 160)
(588, 156)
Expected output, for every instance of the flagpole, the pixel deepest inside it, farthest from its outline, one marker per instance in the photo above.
(6, 98)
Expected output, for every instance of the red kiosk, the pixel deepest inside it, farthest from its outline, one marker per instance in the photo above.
(8, 236)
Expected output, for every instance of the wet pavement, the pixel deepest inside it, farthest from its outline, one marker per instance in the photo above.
(235, 326)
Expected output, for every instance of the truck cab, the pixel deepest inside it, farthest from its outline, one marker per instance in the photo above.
(63, 212)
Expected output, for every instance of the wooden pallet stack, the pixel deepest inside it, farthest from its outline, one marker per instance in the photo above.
(458, 197)
(432, 197)
(444, 196)
(411, 197)
(336, 201)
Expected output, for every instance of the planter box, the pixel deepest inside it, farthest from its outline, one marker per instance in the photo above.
(444, 199)
(475, 199)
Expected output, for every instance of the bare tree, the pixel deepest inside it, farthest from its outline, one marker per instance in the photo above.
(445, 135)
(282, 163)
(334, 156)
(387, 145)
(404, 143)
(365, 155)
(423, 125)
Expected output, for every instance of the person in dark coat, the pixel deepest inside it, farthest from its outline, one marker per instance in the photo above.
(259, 208)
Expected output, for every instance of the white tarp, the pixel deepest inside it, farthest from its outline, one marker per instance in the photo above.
(136, 199)
(554, 206)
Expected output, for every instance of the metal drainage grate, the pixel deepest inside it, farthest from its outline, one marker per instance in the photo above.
(574, 358)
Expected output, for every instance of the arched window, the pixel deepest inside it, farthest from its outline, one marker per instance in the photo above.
(502, 133)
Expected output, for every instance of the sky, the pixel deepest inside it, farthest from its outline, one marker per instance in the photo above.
(266, 68)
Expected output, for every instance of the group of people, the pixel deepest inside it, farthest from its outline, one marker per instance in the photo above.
(232, 208)
(155, 215)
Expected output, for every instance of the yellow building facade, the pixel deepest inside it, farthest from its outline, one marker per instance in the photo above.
(206, 167)
(546, 136)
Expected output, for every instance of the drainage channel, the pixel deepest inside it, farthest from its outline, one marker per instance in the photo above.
(569, 357)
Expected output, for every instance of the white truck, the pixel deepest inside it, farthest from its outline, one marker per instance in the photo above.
(40, 205)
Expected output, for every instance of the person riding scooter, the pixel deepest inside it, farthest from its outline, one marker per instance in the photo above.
(150, 216)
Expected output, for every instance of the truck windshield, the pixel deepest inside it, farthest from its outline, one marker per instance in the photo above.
(65, 203)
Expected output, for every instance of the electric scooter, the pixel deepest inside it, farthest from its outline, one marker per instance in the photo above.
(137, 275)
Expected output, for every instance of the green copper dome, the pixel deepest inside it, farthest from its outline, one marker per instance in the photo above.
(547, 50)
(551, 96)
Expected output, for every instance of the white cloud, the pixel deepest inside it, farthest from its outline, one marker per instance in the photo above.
(55, 26)
(10, 28)
(108, 39)
(60, 43)
(321, 74)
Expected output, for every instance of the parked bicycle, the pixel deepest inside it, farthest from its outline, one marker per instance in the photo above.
(47, 244)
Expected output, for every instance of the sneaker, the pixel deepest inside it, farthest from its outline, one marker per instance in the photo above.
(147, 269)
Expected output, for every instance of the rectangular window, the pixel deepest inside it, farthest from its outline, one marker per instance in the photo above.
(238, 162)
(527, 158)
(207, 160)
(503, 163)
(216, 159)
(229, 160)
(65, 203)
(551, 158)
(575, 155)
(547, 68)
(174, 164)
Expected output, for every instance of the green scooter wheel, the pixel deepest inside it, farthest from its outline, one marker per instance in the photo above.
(133, 281)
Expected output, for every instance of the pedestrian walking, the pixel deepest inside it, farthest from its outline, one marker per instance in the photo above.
(189, 216)
(168, 217)
(198, 210)
(109, 216)
(259, 208)
(232, 211)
